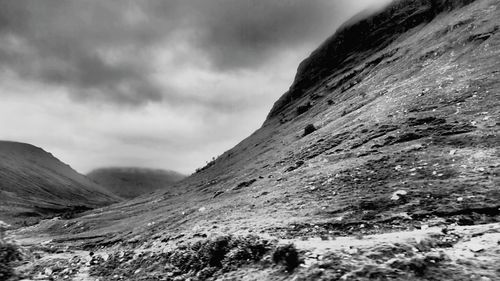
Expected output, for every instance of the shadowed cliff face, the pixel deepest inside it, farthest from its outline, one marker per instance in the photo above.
(358, 39)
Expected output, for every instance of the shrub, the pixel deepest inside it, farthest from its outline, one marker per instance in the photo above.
(9, 253)
(213, 252)
(200, 260)
(309, 129)
(288, 256)
(303, 108)
(208, 165)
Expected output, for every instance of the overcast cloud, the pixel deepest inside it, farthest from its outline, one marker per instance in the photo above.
(164, 84)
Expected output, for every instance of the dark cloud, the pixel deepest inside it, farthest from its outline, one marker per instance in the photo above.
(240, 34)
(87, 46)
(106, 50)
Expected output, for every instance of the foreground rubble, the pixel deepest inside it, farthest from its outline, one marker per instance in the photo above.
(445, 252)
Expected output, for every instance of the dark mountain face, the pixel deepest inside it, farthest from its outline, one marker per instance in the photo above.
(34, 184)
(391, 126)
(132, 182)
(354, 42)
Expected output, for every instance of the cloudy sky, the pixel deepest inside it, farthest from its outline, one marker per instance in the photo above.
(151, 83)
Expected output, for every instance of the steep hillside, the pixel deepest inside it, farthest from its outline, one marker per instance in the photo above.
(132, 182)
(35, 184)
(397, 178)
(356, 41)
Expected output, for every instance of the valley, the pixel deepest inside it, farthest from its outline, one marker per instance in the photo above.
(398, 180)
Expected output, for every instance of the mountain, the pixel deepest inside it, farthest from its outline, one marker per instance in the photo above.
(35, 184)
(343, 54)
(132, 182)
(380, 163)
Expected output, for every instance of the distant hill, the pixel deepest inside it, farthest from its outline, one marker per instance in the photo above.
(35, 184)
(132, 182)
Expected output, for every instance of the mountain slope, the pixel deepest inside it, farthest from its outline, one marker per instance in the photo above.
(406, 113)
(356, 41)
(33, 183)
(132, 182)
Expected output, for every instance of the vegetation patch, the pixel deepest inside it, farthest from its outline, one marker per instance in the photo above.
(309, 129)
(245, 184)
(398, 261)
(301, 109)
(287, 256)
(9, 254)
(202, 260)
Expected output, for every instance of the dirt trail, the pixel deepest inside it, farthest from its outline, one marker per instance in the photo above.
(343, 243)
(479, 243)
(45, 260)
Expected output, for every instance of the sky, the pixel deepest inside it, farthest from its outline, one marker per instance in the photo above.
(152, 83)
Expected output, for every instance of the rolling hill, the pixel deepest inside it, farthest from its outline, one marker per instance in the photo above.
(132, 182)
(34, 184)
(396, 178)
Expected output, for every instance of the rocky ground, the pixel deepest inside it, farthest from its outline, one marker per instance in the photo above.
(397, 179)
(435, 252)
